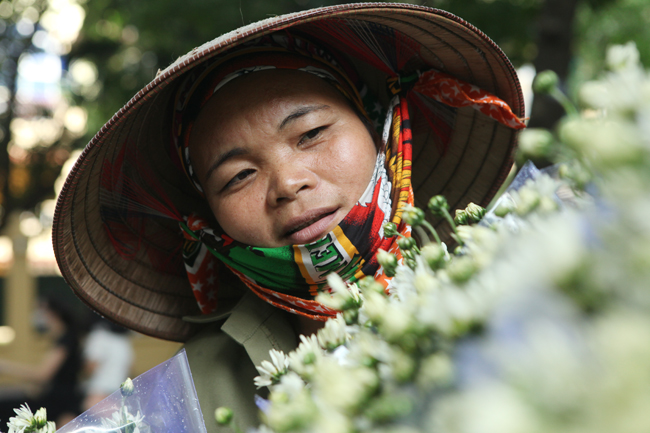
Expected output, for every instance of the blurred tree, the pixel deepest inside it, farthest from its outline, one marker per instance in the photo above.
(123, 43)
(554, 51)
(17, 25)
(601, 23)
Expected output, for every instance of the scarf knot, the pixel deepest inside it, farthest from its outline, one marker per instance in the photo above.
(402, 83)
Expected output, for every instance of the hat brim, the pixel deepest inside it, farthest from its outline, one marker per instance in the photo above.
(144, 287)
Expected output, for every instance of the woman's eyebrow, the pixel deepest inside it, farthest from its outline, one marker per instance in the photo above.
(299, 112)
(223, 158)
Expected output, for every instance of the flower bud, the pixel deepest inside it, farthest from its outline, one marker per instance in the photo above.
(436, 369)
(425, 282)
(406, 243)
(577, 134)
(342, 296)
(621, 57)
(434, 255)
(528, 200)
(575, 173)
(595, 94)
(461, 269)
(535, 143)
(504, 208)
(127, 388)
(370, 285)
(397, 322)
(390, 406)
(460, 219)
(438, 204)
(40, 418)
(547, 204)
(402, 365)
(545, 82)
(390, 229)
(333, 334)
(351, 316)
(413, 216)
(223, 415)
(474, 212)
(607, 144)
(388, 261)
(375, 306)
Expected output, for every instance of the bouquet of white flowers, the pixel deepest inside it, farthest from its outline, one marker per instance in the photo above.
(539, 321)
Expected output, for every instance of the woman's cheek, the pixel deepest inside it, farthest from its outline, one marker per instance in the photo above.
(241, 213)
(224, 210)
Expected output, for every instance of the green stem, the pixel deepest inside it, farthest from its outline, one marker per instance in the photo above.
(432, 230)
(450, 220)
(234, 426)
(566, 103)
(425, 238)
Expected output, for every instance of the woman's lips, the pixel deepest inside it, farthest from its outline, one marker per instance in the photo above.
(310, 226)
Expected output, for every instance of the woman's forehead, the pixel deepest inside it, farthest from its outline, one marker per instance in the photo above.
(264, 86)
(270, 94)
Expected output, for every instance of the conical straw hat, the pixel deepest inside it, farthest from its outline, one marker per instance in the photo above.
(127, 265)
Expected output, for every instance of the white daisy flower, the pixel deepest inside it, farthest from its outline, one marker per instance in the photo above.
(25, 421)
(126, 422)
(343, 296)
(333, 334)
(307, 353)
(271, 371)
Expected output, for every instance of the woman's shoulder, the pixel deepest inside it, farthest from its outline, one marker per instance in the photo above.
(223, 375)
(251, 323)
(223, 356)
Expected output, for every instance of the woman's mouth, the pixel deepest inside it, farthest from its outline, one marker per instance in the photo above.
(311, 226)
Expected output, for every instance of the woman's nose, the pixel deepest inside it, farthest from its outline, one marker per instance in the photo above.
(288, 181)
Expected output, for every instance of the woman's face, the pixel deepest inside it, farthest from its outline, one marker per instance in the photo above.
(281, 156)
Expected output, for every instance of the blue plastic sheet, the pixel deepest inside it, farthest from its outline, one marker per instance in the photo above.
(163, 400)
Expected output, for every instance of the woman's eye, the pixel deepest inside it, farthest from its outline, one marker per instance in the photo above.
(239, 177)
(312, 134)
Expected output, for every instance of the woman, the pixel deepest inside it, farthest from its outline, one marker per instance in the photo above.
(278, 151)
(107, 358)
(58, 372)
